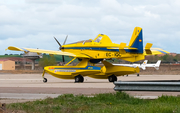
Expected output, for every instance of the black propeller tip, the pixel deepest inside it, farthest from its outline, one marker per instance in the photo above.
(58, 43)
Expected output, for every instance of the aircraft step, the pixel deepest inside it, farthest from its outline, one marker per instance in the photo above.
(165, 86)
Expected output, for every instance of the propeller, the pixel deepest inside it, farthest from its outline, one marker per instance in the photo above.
(60, 47)
(59, 43)
(65, 40)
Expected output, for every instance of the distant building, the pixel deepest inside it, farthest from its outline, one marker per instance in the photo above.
(172, 54)
(7, 64)
(18, 63)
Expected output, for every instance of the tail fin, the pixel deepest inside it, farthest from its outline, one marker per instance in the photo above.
(145, 62)
(136, 40)
(157, 65)
(143, 65)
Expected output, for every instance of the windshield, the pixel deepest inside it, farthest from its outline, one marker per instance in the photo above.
(98, 39)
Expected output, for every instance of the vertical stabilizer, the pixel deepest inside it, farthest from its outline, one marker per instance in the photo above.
(143, 65)
(137, 40)
(157, 65)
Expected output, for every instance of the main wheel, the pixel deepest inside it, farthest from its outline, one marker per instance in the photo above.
(45, 80)
(112, 78)
(115, 78)
(138, 75)
(79, 78)
(82, 79)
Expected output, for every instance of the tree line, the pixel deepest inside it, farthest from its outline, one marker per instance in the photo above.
(167, 58)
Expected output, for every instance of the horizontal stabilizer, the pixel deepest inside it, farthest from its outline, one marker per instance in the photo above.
(121, 48)
(148, 46)
(122, 45)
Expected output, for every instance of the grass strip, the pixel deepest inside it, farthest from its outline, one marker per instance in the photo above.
(118, 102)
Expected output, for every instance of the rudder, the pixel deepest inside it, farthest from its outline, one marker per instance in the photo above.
(137, 40)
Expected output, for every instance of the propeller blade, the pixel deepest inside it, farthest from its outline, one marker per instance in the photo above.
(57, 42)
(65, 40)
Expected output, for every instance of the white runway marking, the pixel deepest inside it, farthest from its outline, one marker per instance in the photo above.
(33, 96)
(26, 96)
(21, 79)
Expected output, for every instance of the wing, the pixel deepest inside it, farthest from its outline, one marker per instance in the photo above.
(155, 51)
(51, 52)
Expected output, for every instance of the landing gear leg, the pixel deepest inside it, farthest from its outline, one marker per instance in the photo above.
(79, 78)
(112, 78)
(44, 79)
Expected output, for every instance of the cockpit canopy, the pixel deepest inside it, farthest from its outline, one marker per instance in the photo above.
(98, 39)
(101, 38)
(82, 41)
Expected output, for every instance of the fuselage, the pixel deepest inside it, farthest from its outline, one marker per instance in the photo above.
(102, 49)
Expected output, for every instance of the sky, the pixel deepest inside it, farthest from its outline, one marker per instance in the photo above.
(34, 23)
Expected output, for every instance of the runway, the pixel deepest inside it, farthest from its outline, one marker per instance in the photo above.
(28, 87)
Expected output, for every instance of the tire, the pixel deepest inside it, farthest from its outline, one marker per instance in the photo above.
(45, 80)
(82, 79)
(112, 78)
(138, 75)
(79, 78)
(115, 78)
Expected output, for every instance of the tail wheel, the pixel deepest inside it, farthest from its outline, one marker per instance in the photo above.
(79, 78)
(138, 75)
(112, 78)
(45, 80)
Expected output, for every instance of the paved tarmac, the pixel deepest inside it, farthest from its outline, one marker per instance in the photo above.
(28, 87)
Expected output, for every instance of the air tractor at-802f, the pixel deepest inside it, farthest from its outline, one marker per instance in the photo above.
(97, 50)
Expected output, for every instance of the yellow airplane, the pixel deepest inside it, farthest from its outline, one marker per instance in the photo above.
(94, 51)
